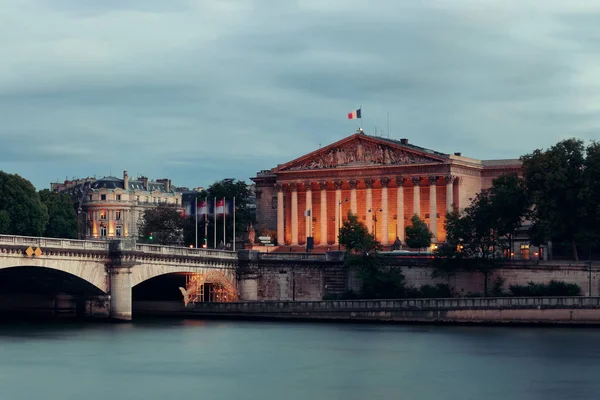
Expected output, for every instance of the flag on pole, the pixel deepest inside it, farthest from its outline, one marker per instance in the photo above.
(355, 114)
(220, 206)
(202, 207)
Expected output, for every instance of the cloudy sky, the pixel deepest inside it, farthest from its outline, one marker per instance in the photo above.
(199, 90)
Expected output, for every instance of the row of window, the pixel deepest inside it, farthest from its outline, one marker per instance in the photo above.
(103, 215)
(154, 200)
(103, 231)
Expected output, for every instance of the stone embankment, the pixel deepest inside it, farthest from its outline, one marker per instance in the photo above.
(502, 310)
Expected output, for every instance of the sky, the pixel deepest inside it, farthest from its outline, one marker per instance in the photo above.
(201, 90)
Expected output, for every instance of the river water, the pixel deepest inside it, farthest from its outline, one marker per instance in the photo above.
(193, 359)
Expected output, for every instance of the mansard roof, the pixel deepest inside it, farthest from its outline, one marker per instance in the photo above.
(360, 150)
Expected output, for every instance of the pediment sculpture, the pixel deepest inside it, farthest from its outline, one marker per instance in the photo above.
(360, 153)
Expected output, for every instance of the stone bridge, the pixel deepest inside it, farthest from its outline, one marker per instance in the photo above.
(111, 268)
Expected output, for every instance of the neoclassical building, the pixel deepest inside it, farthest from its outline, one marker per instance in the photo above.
(383, 181)
(112, 207)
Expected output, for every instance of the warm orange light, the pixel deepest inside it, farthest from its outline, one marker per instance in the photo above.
(191, 246)
(536, 253)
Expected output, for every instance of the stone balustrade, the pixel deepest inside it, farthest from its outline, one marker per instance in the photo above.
(96, 245)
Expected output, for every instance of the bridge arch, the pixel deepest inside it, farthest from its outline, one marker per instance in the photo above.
(46, 280)
(92, 272)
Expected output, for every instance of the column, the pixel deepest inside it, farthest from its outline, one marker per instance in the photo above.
(280, 215)
(433, 207)
(120, 293)
(353, 183)
(323, 186)
(369, 207)
(384, 211)
(294, 216)
(338, 209)
(400, 207)
(308, 207)
(416, 196)
(449, 192)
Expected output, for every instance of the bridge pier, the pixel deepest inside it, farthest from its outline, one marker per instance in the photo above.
(119, 270)
(120, 293)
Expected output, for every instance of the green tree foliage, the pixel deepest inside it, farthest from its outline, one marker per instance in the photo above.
(228, 189)
(472, 237)
(356, 239)
(418, 234)
(62, 222)
(21, 210)
(379, 281)
(592, 182)
(553, 288)
(557, 187)
(162, 225)
(509, 204)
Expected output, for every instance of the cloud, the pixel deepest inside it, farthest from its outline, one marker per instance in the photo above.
(202, 90)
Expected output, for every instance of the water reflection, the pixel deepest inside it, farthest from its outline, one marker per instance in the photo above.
(163, 359)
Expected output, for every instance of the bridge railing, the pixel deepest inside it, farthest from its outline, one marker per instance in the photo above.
(53, 243)
(185, 251)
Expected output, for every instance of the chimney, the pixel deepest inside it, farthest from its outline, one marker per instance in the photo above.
(166, 182)
(404, 141)
(458, 154)
(144, 182)
(125, 180)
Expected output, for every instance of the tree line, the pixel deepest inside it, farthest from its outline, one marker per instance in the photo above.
(27, 212)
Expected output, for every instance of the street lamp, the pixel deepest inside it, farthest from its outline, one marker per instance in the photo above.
(375, 221)
(340, 221)
(79, 210)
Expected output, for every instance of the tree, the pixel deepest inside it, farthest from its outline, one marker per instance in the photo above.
(418, 234)
(509, 204)
(556, 185)
(378, 281)
(62, 222)
(228, 189)
(356, 239)
(592, 181)
(162, 225)
(21, 211)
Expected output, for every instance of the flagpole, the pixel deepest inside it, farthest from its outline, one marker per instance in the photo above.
(233, 223)
(215, 227)
(224, 236)
(206, 222)
(196, 212)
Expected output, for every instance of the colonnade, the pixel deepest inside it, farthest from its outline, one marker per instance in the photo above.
(382, 183)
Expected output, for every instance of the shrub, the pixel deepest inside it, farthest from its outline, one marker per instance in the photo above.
(554, 288)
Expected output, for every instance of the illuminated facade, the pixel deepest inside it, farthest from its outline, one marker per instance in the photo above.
(112, 207)
(383, 181)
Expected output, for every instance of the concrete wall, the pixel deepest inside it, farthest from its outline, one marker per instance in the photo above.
(541, 310)
(464, 283)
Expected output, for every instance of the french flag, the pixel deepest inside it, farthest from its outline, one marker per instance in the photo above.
(202, 207)
(220, 206)
(354, 114)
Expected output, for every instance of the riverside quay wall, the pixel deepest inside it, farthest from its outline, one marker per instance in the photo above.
(502, 310)
(313, 277)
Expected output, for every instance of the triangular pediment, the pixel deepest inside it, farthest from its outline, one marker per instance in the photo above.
(360, 150)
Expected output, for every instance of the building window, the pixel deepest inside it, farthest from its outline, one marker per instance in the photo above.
(102, 231)
(103, 214)
(90, 197)
(118, 197)
(525, 252)
(274, 202)
(119, 231)
(118, 215)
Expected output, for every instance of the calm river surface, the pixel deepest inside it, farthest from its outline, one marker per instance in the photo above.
(262, 360)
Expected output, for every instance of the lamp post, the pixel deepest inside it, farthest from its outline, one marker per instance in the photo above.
(375, 221)
(79, 210)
